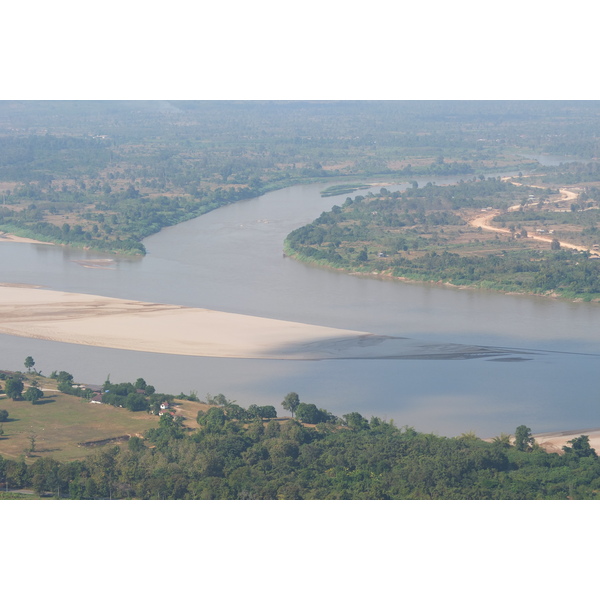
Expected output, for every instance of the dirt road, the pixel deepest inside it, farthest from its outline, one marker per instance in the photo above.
(484, 221)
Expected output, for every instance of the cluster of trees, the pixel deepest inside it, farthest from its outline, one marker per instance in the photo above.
(136, 396)
(14, 388)
(228, 410)
(356, 459)
(569, 173)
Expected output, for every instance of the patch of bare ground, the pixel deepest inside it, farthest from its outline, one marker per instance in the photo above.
(6, 186)
(338, 166)
(483, 221)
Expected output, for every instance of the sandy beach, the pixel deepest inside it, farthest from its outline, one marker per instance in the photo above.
(28, 311)
(553, 442)
(9, 237)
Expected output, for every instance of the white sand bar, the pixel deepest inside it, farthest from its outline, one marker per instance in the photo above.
(27, 311)
(9, 237)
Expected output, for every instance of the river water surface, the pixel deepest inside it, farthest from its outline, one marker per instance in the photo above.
(231, 260)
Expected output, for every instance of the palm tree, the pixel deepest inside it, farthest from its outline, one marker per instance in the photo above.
(502, 440)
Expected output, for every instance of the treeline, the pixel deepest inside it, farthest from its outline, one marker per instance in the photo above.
(561, 272)
(357, 459)
(571, 173)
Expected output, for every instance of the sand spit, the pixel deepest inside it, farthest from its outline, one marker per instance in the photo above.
(91, 320)
(9, 237)
(148, 327)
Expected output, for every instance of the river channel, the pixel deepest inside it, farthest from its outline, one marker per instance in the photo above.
(231, 260)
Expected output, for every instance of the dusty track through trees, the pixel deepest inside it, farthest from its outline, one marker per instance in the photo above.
(484, 221)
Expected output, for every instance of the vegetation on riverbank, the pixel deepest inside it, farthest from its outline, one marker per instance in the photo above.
(431, 234)
(219, 450)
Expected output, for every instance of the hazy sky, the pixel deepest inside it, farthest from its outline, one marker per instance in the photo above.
(325, 49)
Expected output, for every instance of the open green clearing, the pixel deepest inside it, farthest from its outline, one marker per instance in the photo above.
(62, 422)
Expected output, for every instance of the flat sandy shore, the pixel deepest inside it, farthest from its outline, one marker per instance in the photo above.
(9, 237)
(553, 442)
(28, 311)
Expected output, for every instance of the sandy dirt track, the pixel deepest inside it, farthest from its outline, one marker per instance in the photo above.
(484, 221)
(91, 320)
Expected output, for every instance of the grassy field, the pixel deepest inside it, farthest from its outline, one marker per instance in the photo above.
(61, 423)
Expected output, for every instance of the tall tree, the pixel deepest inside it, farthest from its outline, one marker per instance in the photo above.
(32, 438)
(291, 402)
(523, 439)
(29, 363)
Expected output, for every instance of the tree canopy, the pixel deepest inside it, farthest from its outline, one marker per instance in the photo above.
(291, 402)
(13, 388)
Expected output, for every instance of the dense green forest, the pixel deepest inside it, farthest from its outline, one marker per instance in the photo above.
(348, 458)
(104, 175)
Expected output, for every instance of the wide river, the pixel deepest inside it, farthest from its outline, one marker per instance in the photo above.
(231, 260)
